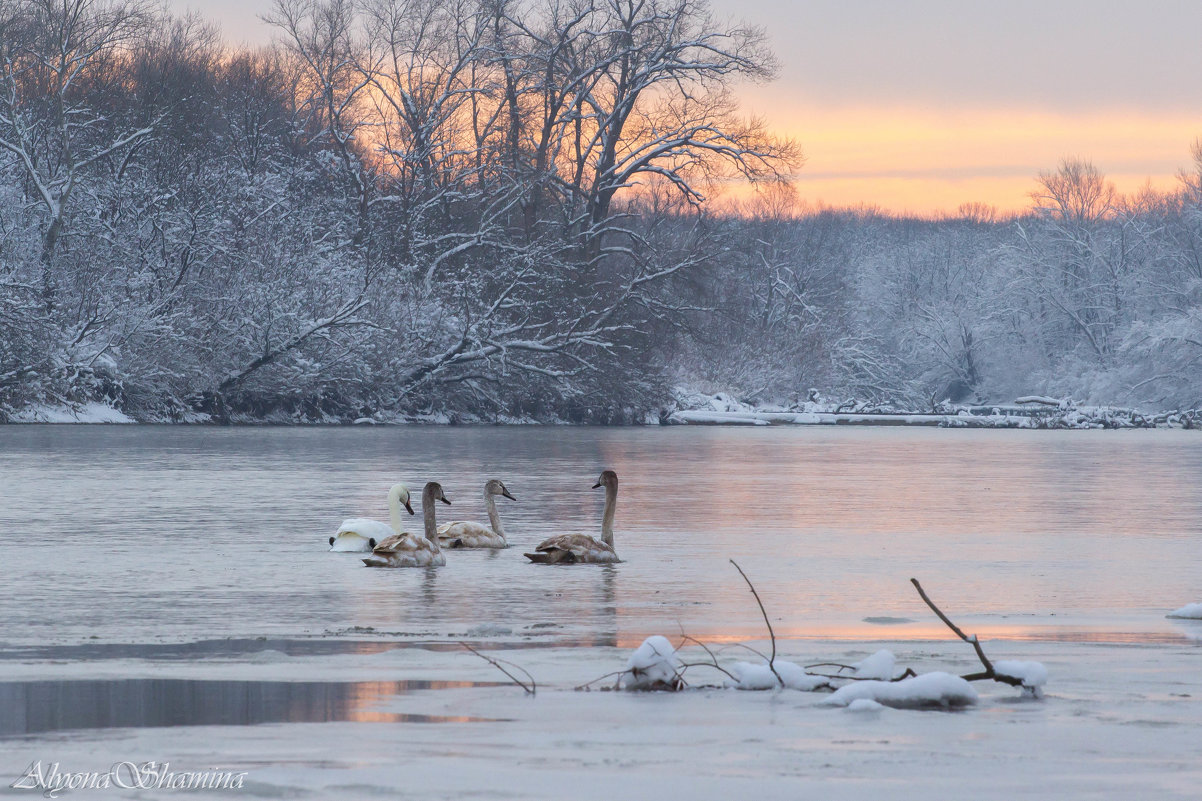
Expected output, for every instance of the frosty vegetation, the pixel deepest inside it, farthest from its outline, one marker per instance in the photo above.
(488, 209)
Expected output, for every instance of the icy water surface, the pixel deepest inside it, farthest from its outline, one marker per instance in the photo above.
(138, 535)
(37, 707)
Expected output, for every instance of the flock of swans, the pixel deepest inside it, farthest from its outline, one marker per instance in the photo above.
(390, 546)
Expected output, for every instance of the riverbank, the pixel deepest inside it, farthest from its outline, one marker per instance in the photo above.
(690, 408)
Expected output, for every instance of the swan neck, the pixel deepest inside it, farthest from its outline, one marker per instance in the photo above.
(607, 519)
(494, 519)
(394, 511)
(429, 519)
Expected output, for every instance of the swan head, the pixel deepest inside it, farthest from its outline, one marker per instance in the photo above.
(495, 487)
(434, 492)
(401, 493)
(608, 479)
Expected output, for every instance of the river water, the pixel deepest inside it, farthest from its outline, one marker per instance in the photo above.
(137, 536)
(169, 601)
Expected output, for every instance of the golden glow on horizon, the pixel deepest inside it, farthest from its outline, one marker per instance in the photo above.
(931, 161)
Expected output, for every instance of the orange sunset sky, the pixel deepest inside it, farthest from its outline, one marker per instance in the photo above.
(918, 106)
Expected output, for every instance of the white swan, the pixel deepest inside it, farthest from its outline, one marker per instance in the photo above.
(572, 548)
(412, 550)
(362, 534)
(463, 534)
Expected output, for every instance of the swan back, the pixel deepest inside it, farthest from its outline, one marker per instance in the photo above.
(362, 534)
(466, 534)
(410, 550)
(576, 548)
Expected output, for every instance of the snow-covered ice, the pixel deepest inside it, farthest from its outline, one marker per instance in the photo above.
(1121, 722)
(1187, 612)
(936, 689)
(1037, 542)
(759, 676)
(1032, 674)
(881, 665)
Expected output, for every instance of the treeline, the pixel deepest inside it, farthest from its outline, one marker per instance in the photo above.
(486, 208)
(1089, 294)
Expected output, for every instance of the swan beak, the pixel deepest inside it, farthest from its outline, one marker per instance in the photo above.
(408, 508)
(597, 485)
(506, 494)
(371, 543)
(445, 500)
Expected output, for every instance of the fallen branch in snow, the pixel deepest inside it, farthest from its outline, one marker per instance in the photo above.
(771, 634)
(656, 665)
(499, 664)
(906, 674)
(935, 690)
(653, 666)
(989, 672)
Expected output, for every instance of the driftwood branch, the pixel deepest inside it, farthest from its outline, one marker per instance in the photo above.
(771, 634)
(989, 672)
(499, 664)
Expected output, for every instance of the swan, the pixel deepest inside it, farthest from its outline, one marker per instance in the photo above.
(461, 534)
(412, 550)
(571, 548)
(362, 534)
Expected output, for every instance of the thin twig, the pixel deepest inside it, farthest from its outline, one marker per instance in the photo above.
(839, 665)
(771, 634)
(745, 646)
(499, 665)
(908, 673)
(729, 675)
(589, 684)
(713, 659)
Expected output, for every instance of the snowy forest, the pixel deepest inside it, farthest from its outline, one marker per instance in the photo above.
(546, 210)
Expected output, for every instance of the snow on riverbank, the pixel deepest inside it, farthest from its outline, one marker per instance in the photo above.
(691, 408)
(90, 412)
(1026, 412)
